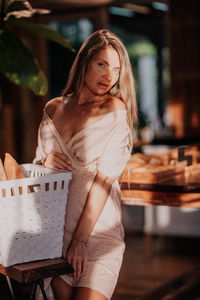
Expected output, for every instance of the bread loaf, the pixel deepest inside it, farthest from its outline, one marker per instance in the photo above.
(2, 172)
(11, 167)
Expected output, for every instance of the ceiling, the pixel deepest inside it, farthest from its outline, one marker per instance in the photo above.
(59, 9)
(52, 4)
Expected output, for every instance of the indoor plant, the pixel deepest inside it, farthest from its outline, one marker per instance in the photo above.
(17, 63)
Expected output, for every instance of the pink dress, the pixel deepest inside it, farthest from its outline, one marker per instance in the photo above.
(100, 146)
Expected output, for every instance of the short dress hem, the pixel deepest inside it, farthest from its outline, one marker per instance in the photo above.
(102, 146)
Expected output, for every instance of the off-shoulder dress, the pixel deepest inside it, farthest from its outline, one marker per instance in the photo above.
(100, 146)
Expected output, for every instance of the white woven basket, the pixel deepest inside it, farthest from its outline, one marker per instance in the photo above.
(32, 213)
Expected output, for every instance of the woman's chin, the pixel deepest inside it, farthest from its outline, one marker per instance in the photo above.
(102, 92)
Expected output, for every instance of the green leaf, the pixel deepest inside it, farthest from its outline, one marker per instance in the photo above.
(43, 31)
(19, 65)
(16, 6)
(2, 14)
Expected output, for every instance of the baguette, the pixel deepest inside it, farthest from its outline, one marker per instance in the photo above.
(11, 167)
(2, 177)
(12, 170)
(2, 172)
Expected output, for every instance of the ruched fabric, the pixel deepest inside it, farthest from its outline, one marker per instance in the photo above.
(100, 146)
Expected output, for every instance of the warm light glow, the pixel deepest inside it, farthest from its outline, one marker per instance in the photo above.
(138, 8)
(175, 117)
(195, 119)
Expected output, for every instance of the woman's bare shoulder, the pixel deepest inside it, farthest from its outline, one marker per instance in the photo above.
(114, 103)
(52, 106)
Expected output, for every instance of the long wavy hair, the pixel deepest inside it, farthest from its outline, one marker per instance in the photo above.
(124, 89)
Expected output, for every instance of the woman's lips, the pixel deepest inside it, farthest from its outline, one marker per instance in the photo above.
(103, 85)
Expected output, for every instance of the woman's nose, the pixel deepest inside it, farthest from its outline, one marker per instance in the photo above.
(108, 74)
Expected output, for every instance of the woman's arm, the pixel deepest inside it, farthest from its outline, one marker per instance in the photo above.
(94, 205)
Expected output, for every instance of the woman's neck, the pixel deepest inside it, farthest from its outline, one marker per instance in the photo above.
(87, 96)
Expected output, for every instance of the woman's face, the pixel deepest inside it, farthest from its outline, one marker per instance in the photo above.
(103, 71)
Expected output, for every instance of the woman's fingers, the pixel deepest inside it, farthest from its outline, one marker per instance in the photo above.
(61, 164)
(77, 257)
(78, 263)
(63, 157)
(74, 264)
(57, 160)
(63, 161)
(78, 267)
(84, 264)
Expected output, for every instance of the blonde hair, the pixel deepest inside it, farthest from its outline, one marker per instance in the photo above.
(124, 89)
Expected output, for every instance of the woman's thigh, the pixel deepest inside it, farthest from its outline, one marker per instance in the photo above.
(61, 289)
(84, 293)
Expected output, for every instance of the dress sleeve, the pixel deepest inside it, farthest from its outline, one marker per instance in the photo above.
(47, 139)
(40, 153)
(116, 152)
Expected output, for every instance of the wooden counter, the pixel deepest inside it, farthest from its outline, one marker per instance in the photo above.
(151, 180)
(180, 191)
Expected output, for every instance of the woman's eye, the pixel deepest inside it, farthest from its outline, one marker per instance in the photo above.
(101, 64)
(116, 71)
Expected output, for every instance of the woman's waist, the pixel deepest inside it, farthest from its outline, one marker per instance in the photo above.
(116, 234)
(83, 172)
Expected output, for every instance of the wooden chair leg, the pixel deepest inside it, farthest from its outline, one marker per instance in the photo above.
(10, 287)
(39, 282)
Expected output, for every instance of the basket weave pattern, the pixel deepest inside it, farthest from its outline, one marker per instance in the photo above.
(32, 213)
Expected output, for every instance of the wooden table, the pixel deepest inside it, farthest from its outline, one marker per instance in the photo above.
(181, 191)
(36, 271)
(151, 185)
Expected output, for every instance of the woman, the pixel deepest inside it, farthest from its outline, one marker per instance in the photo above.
(88, 131)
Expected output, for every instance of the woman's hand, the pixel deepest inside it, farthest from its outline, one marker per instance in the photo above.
(77, 257)
(57, 160)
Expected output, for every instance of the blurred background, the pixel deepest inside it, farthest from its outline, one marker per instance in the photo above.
(162, 38)
(163, 42)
